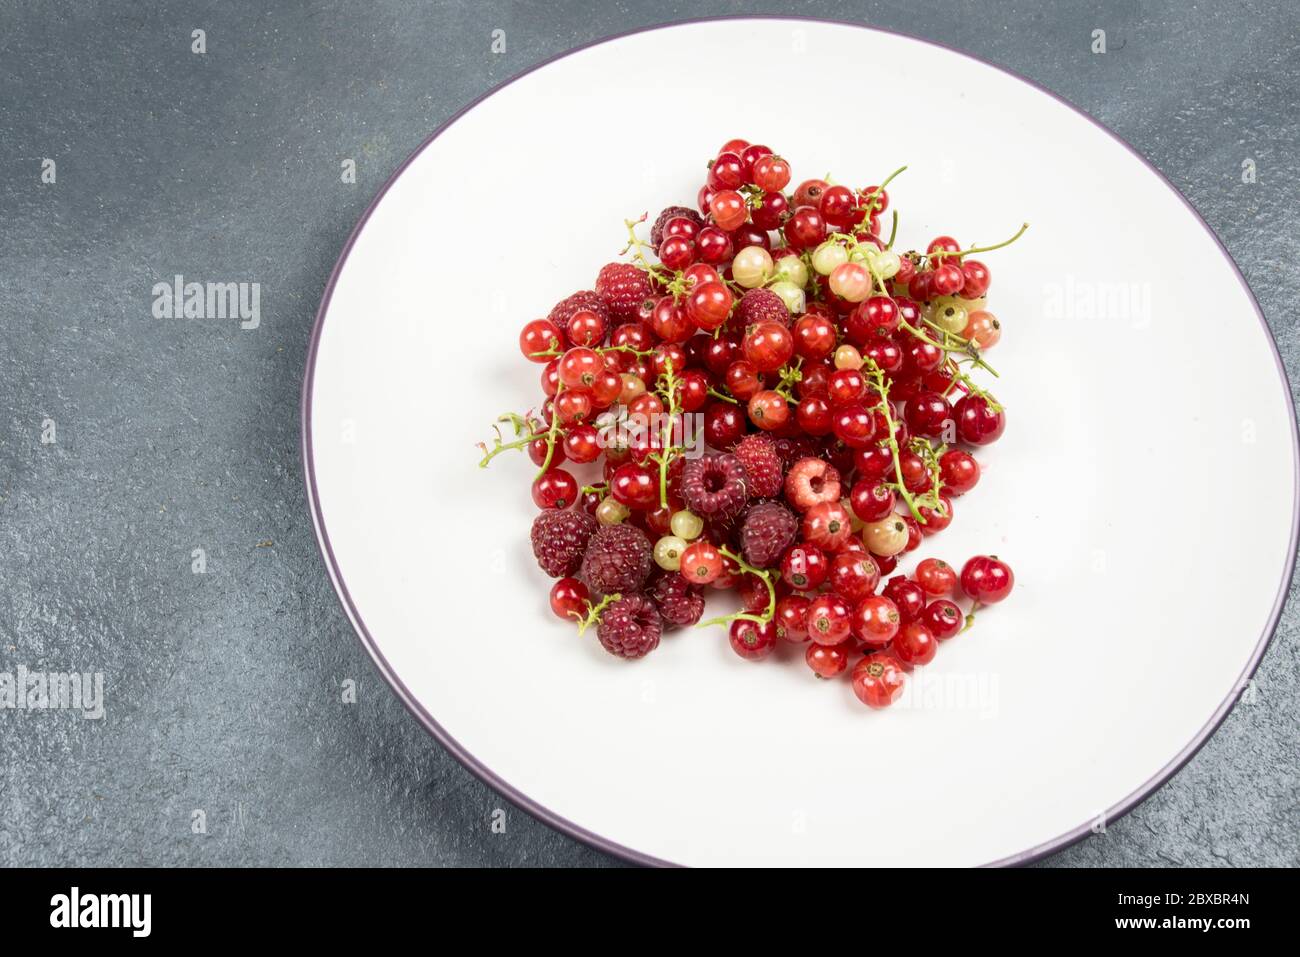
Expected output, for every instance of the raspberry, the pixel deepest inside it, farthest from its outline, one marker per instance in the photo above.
(580, 300)
(560, 537)
(672, 212)
(758, 454)
(714, 486)
(630, 627)
(768, 531)
(759, 305)
(679, 602)
(624, 288)
(617, 559)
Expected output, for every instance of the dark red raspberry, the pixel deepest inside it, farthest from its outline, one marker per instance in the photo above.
(583, 299)
(617, 560)
(560, 537)
(759, 305)
(714, 486)
(679, 602)
(672, 212)
(769, 529)
(624, 288)
(758, 454)
(630, 627)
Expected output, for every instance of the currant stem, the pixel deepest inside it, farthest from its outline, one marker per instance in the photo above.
(878, 376)
(520, 424)
(988, 249)
(766, 575)
(593, 612)
(553, 433)
(970, 618)
(672, 393)
(723, 396)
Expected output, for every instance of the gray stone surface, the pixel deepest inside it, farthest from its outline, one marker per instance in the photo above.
(223, 689)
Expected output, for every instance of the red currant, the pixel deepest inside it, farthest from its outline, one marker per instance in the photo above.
(872, 500)
(828, 619)
(914, 645)
(854, 575)
(569, 598)
(769, 345)
(878, 680)
(701, 563)
(936, 576)
(827, 661)
(771, 173)
(908, 597)
(556, 488)
(804, 567)
(943, 618)
(792, 618)
(959, 471)
(539, 336)
(977, 421)
(987, 579)
(875, 621)
(752, 640)
(769, 410)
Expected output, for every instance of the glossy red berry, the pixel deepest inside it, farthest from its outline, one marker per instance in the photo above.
(709, 305)
(827, 526)
(914, 645)
(854, 575)
(987, 579)
(871, 500)
(875, 621)
(908, 597)
(928, 414)
(838, 206)
(878, 680)
(804, 567)
(556, 488)
(579, 367)
(701, 563)
(769, 410)
(977, 421)
(569, 598)
(728, 209)
(935, 520)
(814, 415)
(959, 471)
(751, 640)
(792, 618)
(943, 618)
(771, 173)
(635, 486)
(827, 661)
(936, 576)
(768, 345)
(724, 424)
(538, 336)
(829, 620)
(805, 228)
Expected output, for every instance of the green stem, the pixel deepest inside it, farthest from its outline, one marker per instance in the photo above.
(593, 612)
(766, 575)
(878, 376)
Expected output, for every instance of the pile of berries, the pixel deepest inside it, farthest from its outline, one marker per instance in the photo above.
(829, 376)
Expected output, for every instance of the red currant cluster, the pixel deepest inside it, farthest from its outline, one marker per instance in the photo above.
(829, 374)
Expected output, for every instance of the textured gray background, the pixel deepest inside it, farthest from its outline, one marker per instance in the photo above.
(223, 689)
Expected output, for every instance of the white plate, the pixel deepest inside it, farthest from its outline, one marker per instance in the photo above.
(1145, 491)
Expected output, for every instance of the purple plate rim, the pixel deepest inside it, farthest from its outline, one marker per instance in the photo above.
(565, 826)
